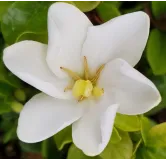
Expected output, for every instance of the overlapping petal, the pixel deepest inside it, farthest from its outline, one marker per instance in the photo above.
(27, 60)
(133, 91)
(123, 37)
(92, 132)
(67, 28)
(44, 116)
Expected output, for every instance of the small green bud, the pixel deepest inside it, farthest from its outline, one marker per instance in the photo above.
(20, 95)
(16, 106)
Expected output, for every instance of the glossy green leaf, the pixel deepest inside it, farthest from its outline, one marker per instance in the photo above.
(86, 6)
(107, 10)
(156, 137)
(121, 150)
(4, 6)
(156, 51)
(151, 153)
(24, 18)
(75, 153)
(115, 137)
(127, 123)
(63, 137)
(158, 8)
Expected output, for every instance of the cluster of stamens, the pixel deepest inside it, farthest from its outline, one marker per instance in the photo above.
(85, 86)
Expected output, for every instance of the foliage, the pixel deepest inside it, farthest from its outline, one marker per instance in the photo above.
(132, 136)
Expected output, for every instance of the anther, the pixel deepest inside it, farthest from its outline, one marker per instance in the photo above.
(96, 77)
(73, 75)
(81, 98)
(86, 69)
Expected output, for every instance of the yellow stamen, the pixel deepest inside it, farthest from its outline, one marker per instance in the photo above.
(71, 73)
(81, 98)
(82, 88)
(86, 69)
(96, 77)
(69, 87)
(97, 92)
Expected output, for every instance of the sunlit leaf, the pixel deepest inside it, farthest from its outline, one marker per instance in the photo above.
(115, 137)
(156, 136)
(121, 150)
(145, 128)
(75, 153)
(127, 123)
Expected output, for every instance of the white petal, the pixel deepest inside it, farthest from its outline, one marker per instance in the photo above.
(27, 60)
(123, 37)
(92, 132)
(133, 91)
(67, 28)
(44, 116)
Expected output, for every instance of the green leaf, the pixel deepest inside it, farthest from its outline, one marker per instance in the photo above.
(4, 6)
(156, 51)
(151, 153)
(8, 78)
(10, 134)
(75, 153)
(63, 137)
(107, 11)
(4, 107)
(146, 125)
(28, 147)
(84, 5)
(23, 18)
(136, 146)
(49, 149)
(158, 8)
(127, 123)
(5, 90)
(115, 137)
(160, 83)
(121, 150)
(156, 136)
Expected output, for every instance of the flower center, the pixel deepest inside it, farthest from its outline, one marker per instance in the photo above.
(86, 86)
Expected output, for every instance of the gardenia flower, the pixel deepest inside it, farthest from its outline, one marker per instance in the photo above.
(85, 75)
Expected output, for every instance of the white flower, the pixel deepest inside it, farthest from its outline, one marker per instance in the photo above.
(113, 48)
